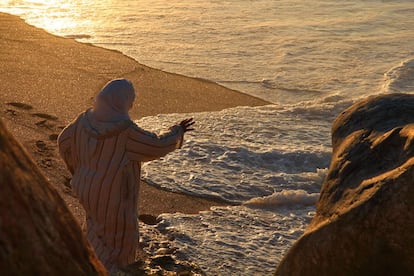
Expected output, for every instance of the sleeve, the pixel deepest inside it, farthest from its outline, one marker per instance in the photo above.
(64, 142)
(144, 146)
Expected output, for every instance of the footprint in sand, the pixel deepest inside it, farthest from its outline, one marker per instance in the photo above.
(53, 137)
(45, 116)
(11, 112)
(46, 122)
(20, 105)
(41, 145)
(46, 154)
(43, 149)
(46, 163)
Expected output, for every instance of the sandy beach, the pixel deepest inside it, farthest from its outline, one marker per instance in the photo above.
(247, 183)
(47, 80)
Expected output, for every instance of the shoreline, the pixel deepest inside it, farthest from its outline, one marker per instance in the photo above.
(47, 80)
(256, 101)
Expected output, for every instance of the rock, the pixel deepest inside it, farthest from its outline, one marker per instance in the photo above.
(167, 265)
(163, 261)
(364, 222)
(135, 269)
(38, 234)
(148, 219)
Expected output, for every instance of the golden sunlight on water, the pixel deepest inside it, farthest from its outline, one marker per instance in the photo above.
(57, 23)
(311, 58)
(284, 51)
(58, 17)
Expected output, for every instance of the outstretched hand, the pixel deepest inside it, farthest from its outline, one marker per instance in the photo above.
(187, 124)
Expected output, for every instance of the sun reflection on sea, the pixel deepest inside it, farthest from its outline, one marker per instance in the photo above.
(58, 17)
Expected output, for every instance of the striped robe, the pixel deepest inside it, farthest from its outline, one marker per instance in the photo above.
(105, 161)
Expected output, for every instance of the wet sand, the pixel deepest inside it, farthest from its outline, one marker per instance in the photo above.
(45, 81)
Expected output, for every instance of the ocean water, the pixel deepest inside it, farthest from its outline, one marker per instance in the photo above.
(282, 50)
(309, 59)
(241, 153)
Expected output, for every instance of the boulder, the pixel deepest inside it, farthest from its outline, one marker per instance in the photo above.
(38, 234)
(364, 222)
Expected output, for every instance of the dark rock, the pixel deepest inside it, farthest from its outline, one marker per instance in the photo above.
(38, 233)
(364, 222)
(135, 269)
(148, 219)
(163, 260)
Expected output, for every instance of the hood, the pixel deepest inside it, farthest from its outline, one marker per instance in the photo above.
(114, 101)
(100, 130)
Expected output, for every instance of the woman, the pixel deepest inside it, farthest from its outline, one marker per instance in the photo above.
(103, 149)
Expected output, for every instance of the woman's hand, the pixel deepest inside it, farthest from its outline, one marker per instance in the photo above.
(186, 124)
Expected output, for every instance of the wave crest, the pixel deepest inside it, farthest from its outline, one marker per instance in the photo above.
(400, 78)
(285, 198)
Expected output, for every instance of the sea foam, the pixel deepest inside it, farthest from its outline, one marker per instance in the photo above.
(244, 152)
(400, 78)
(284, 198)
(235, 240)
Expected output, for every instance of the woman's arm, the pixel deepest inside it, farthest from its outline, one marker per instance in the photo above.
(143, 145)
